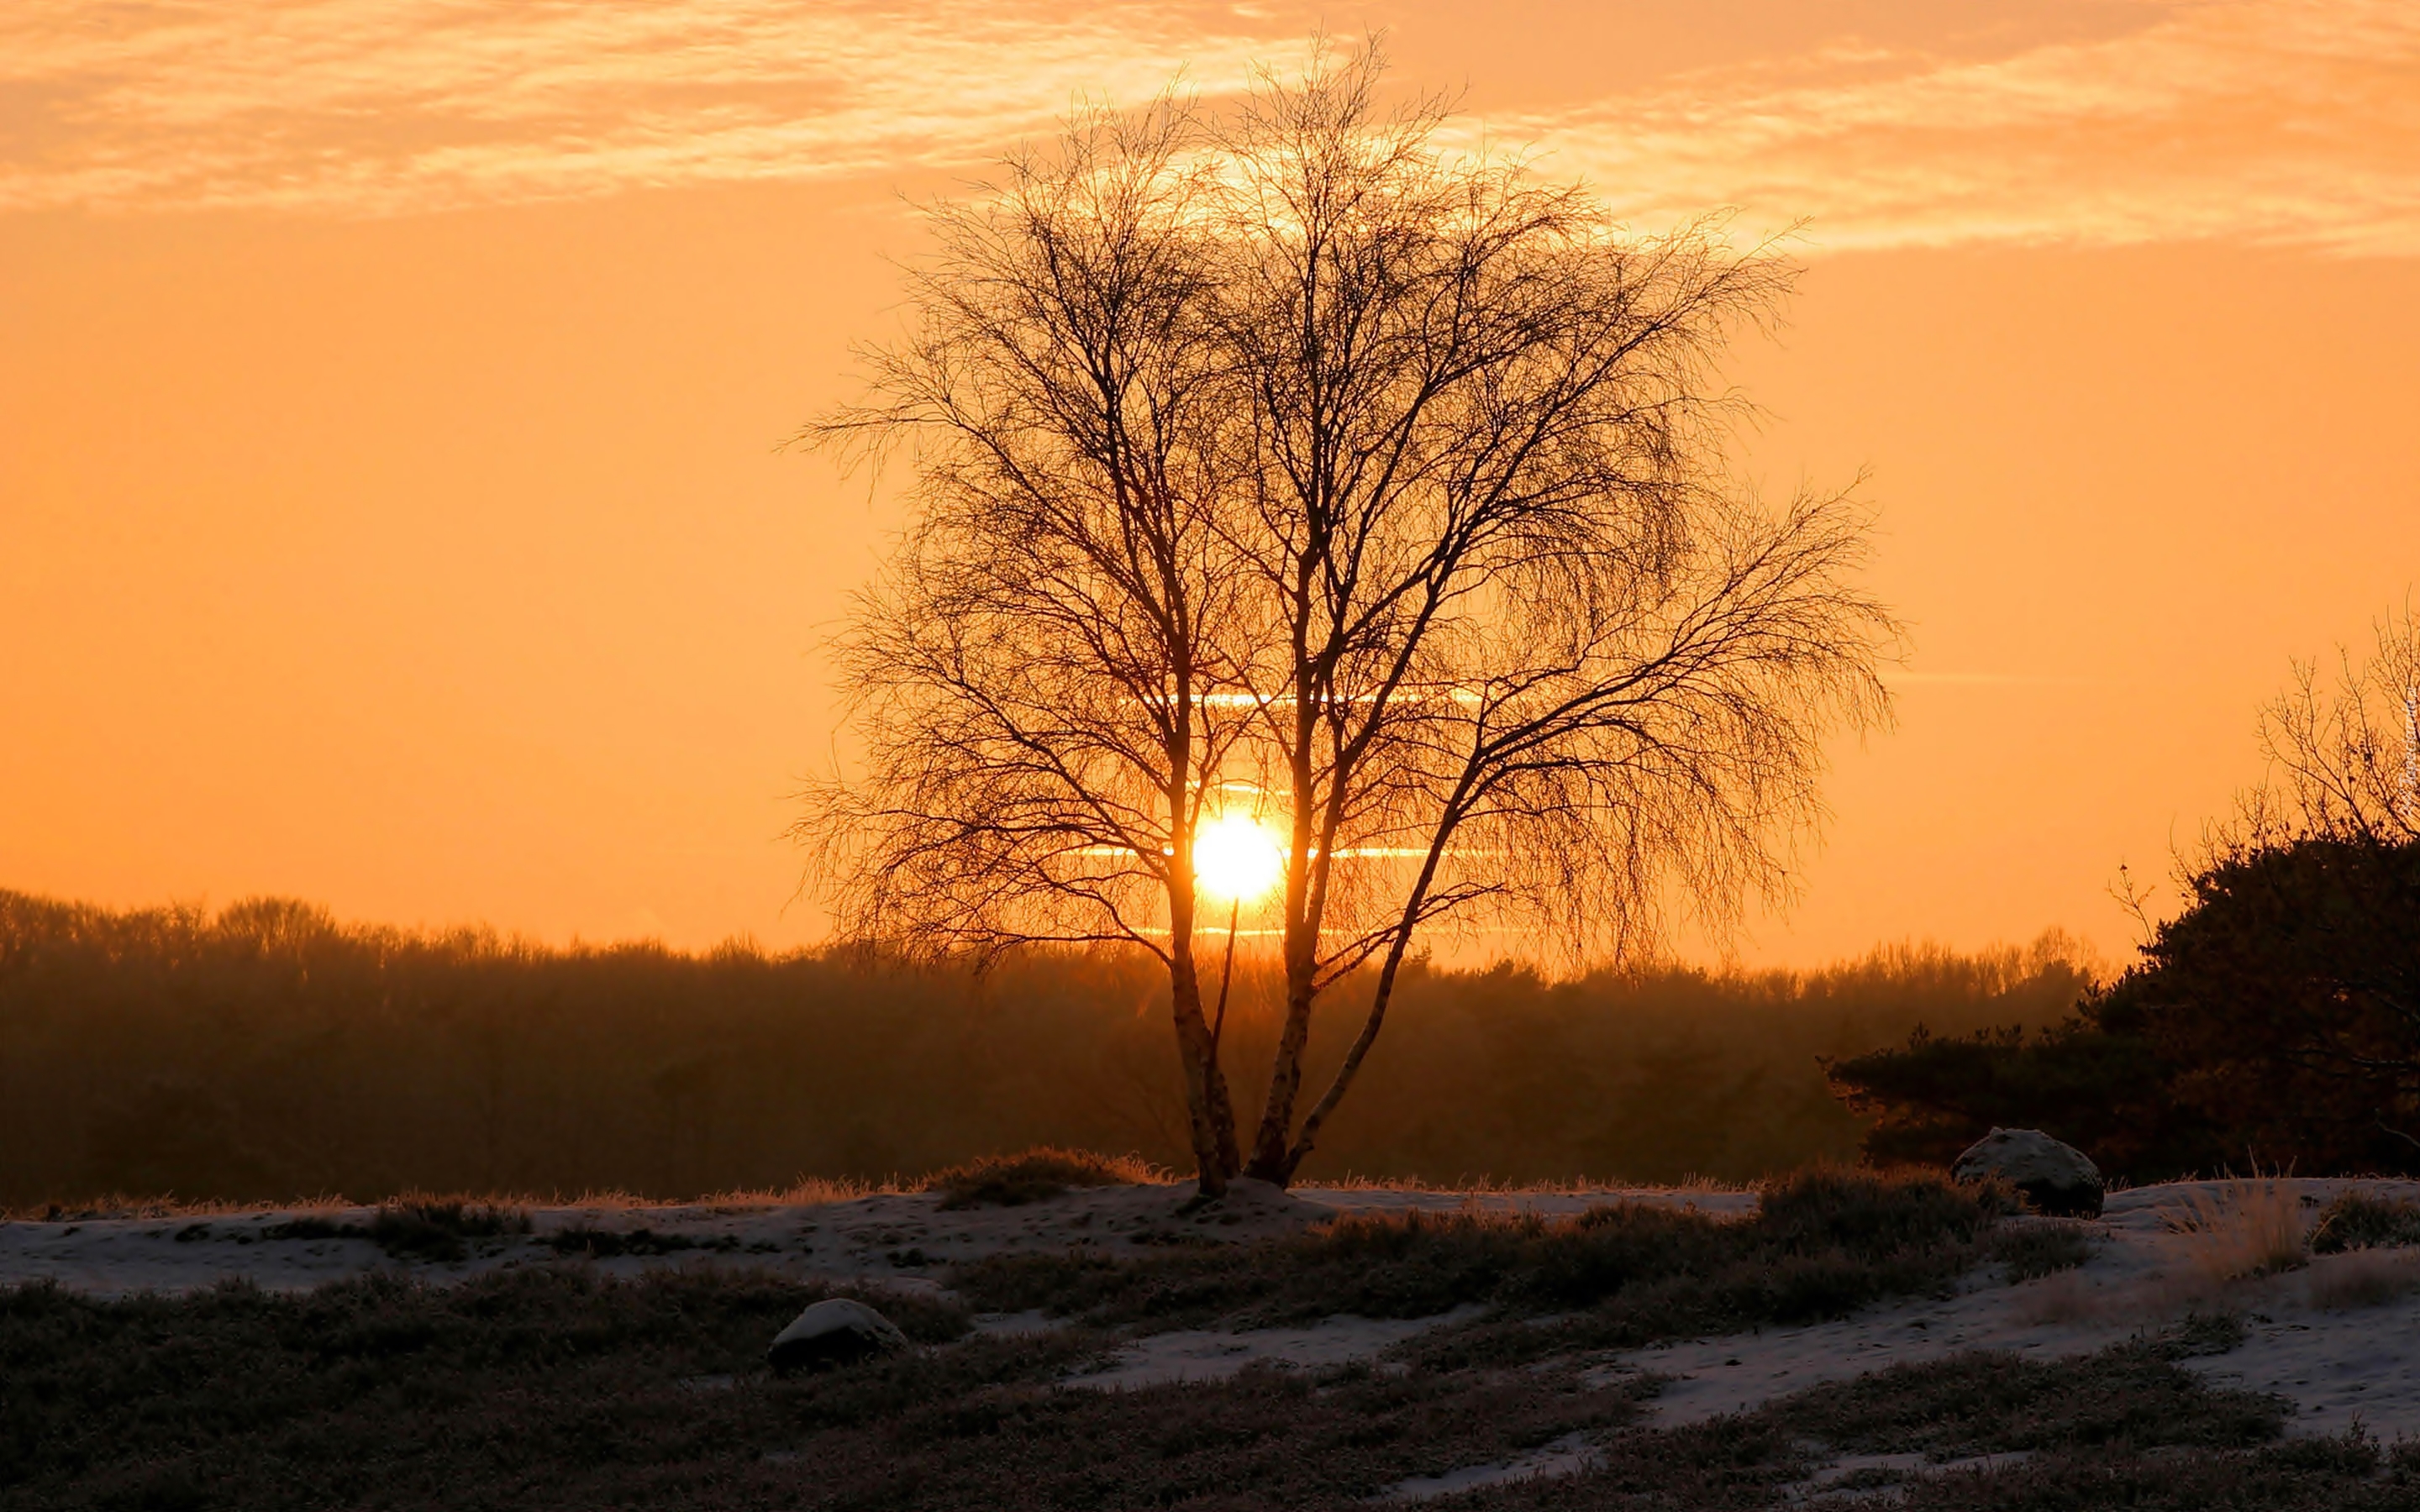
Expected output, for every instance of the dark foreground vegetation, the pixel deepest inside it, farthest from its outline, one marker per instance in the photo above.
(2274, 1022)
(1822, 1245)
(267, 1052)
(552, 1387)
(1033, 1175)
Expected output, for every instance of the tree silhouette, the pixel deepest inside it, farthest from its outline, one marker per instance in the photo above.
(2344, 761)
(2275, 1018)
(1285, 464)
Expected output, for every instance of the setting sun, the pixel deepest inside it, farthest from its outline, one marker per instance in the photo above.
(725, 602)
(1236, 859)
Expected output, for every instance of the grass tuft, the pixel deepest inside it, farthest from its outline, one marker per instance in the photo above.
(2238, 1229)
(434, 1229)
(2364, 1278)
(608, 1244)
(1996, 1402)
(417, 1227)
(2359, 1221)
(1033, 1175)
(2031, 1250)
(2064, 1297)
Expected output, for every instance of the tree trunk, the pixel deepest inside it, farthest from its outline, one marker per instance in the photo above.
(1209, 1108)
(1270, 1163)
(1304, 1142)
(1277, 1161)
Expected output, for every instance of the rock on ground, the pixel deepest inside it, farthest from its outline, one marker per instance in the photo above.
(2060, 1179)
(835, 1330)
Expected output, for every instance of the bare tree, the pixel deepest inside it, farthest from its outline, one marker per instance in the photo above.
(2344, 761)
(1037, 674)
(1534, 660)
(1442, 568)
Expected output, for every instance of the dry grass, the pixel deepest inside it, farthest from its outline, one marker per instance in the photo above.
(1486, 1186)
(808, 1190)
(554, 1388)
(2358, 1220)
(2031, 1248)
(2364, 1278)
(2234, 1230)
(120, 1204)
(2064, 1298)
(1032, 1175)
(1620, 1275)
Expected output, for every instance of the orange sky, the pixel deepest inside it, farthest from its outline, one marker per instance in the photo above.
(388, 512)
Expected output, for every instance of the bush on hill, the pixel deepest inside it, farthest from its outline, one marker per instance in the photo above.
(2275, 1021)
(1030, 1176)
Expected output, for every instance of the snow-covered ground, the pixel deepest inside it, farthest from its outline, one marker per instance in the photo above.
(891, 1236)
(2146, 1273)
(2333, 1364)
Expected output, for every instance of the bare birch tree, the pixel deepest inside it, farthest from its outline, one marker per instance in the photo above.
(2344, 761)
(1537, 663)
(1404, 481)
(1037, 674)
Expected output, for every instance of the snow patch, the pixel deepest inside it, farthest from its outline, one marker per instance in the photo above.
(1207, 1354)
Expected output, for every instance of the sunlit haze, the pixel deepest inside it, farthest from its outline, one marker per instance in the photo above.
(393, 511)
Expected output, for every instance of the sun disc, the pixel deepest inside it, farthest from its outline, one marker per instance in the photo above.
(1237, 860)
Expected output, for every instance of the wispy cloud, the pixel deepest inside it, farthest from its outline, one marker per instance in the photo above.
(388, 106)
(2279, 121)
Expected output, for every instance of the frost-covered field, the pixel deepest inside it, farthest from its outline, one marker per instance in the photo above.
(2329, 1343)
(898, 1238)
(2147, 1268)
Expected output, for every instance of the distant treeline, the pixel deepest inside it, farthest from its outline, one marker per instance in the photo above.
(267, 1051)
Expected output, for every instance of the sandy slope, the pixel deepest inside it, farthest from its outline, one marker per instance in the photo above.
(2332, 1364)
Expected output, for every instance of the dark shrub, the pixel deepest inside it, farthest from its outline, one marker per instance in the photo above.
(431, 1229)
(2270, 1022)
(2359, 1221)
(2036, 1249)
(415, 1228)
(2095, 1082)
(1011, 1181)
(1823, 1242)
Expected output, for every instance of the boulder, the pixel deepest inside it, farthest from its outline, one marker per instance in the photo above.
(2059, 1180)
(833, 1332)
